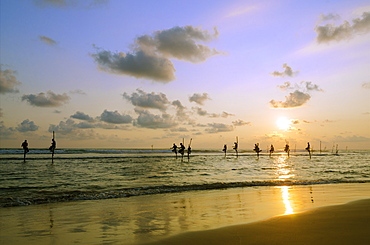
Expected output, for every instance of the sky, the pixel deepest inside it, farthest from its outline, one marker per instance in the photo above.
(143, 73)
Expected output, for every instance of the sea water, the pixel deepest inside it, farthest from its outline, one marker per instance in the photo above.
(92, 174)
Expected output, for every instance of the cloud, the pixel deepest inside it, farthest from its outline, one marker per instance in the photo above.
(295, 99)
(148, 100)
(353, 138)
(150, 55)
(180, 43)
(366, 85)
(138, 65)
(63, 127)
(82, 116)
(329, 16)
(330, 32)
(218, 128)
(50, 99)
(309, 86)
(115, 117)
(148, 120)
(299, 97)
(77, 91)
(181, 112)
(47, 40)
(27, 126)
(240, 122)
(79, 131)
(5, 132)
(199, 98)
(200, 111)
(8, 81)
(288, 72)
(70, 3)
(303, 85)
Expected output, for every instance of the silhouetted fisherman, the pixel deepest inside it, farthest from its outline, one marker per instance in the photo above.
(52, 148)
(174, 149)
(286, 149)
(25, 149)
(225, 149)
(257, 149)
(236, 148)
(272, 149)
(308, 148)
(182, 150)
(189, 149)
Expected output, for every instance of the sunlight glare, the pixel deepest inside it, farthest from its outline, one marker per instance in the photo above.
(283, 123)
(286, 200)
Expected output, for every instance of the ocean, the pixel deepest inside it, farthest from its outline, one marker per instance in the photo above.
(93, 174)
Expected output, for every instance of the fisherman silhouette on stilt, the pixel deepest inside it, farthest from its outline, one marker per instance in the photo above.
(25, 149)
(308, 148)
(257, 149)
(272, 149)
(174, 149)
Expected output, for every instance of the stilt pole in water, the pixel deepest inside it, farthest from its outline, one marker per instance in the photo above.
(320, 147)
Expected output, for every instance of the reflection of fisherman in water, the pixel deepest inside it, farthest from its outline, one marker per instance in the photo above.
(53, 145)
(25, 147)
(272, 149)
(174, 149)
(257, 149)
(286, 149)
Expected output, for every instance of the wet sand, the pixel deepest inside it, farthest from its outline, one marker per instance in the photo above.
(204, 217)
(340, 224)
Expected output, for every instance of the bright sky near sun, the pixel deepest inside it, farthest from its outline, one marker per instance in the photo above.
(128, 74)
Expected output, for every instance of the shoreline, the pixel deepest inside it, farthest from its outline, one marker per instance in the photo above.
(143, 219)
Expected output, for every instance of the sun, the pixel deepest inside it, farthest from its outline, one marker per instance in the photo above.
(283, 123)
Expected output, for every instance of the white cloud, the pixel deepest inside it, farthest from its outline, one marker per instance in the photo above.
(288, 72)
(82, 116)
(150, 56)
(86, 4)
(138, 65)
(5, 132)
(148, 100)
(240, 122)
(47, 40)
(148, 120)
(199, 98)
(218, 128)
(50, 99)
(115, 117)
(8, 81)
(330, 32)
(366, 85)
(295, 99)
(27, 126)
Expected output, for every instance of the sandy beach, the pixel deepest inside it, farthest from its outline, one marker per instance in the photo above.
(340, 224)
(253, 215)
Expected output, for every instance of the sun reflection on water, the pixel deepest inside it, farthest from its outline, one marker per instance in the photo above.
(283, 171)
(286, 199)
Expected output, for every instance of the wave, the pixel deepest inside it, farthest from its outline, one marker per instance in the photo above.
(44, 196)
